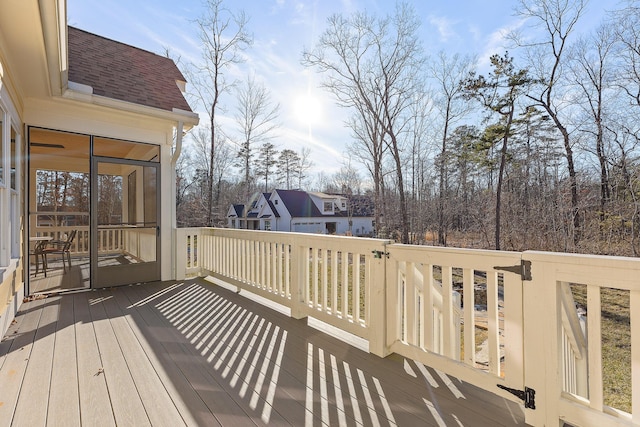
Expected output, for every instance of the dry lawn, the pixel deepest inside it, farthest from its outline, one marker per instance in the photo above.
(616, 344)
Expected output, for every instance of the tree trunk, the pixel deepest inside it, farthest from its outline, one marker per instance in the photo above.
(503, 161)
(211, 165)
(442, 226)
(573, 182)
(404, 218)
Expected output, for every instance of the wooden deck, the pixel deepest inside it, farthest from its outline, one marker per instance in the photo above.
(192, 353)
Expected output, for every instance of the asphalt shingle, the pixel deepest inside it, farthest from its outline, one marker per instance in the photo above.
(126, 73)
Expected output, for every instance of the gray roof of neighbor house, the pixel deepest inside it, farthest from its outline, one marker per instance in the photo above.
(239, 210)
(273, 209)
(126, 73)
(298, 203)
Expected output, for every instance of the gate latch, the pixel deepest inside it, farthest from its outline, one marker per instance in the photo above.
(528, 395)
(524, 269)
(379, 254)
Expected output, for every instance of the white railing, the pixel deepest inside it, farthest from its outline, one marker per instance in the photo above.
(467, 313)
(414, 293)
(574, 344)
(109, 240)
(338, 272)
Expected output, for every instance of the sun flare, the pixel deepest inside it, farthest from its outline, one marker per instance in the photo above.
(308, 109)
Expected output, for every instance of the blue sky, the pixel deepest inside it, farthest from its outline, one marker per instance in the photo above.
(282, 28)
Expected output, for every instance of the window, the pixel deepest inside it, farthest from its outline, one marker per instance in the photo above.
(275, 202)
(267, 225)
(11, 187)
(328, 206)
(15, 212)
(14, 159)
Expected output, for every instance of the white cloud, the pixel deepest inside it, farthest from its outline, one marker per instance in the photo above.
(496, 42)
(444, 26)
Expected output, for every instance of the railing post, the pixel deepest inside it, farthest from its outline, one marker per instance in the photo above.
(542, 371)
(298, 281)
(378, 315)
(180, 253)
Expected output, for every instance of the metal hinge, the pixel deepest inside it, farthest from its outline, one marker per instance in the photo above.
(528, 395)
(524, 269)
(378, 254)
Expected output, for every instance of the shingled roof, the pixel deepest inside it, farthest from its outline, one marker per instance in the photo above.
(126, 73)
(299, 204)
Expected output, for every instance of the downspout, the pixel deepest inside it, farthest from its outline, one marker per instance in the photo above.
(174, 177)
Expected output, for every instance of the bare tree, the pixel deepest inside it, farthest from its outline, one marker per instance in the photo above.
(256, 118)
(347, 179)
(200, 161)
(374, 65)
(627, 131)
(556, 20)
(223, 36)
(368, 146)
(303, 166)
(593, 75)
(627, 25)
(448, 73)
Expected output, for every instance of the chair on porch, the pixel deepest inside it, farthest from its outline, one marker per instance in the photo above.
(38, 252)
(60, 247)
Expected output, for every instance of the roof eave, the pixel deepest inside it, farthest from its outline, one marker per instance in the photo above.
(54, 28)
(84, 93)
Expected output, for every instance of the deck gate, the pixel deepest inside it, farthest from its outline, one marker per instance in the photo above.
(458, 311)
(564, 342)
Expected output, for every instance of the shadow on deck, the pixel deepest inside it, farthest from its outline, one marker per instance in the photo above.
(191, 353)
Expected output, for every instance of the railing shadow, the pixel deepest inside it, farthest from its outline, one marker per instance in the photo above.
(278, 370)
(226, 360)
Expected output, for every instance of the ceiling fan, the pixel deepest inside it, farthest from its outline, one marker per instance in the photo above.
(45, 145)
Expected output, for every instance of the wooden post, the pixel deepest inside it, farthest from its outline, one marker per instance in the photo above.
(180, 253)
(298, 258)
(377, 276)
(542, 343)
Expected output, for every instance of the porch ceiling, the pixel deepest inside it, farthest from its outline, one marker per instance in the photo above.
(51, 150)
(69, 152)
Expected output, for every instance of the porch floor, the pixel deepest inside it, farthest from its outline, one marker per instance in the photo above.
(192, 353)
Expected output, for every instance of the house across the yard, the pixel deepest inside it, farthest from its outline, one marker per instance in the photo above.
(305, 212)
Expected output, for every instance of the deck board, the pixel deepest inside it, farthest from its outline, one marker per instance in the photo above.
(157, 402)
(125, 398)
(95, 405)
(147, 330)
(20, 338)
(197, 354)
(225, 407)
(64, 397)
(37, 378)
